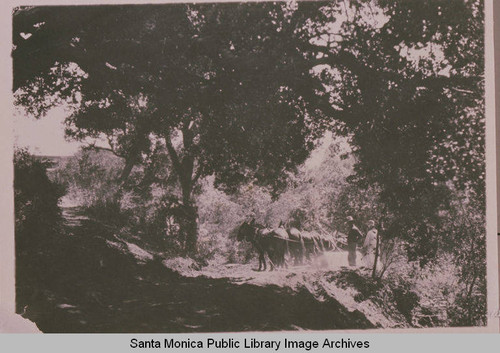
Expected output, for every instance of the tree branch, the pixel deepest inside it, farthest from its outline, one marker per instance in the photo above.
(99, 148)
(198, 173)
(349, 61)
(173, 154)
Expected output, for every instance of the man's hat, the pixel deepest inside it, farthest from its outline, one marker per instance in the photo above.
(371, 223)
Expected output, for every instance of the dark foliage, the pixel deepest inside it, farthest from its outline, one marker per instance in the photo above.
(36, 198)
(37, 221)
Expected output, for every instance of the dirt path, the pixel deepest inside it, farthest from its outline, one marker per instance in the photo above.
(90, 280)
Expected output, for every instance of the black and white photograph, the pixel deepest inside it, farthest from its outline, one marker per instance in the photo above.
(250, 166)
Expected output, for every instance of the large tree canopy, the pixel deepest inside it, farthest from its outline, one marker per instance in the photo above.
(414, 105)
(232, 80)
(242, 91)
(226, 88)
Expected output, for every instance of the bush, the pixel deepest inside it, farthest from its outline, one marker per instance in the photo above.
(91, 178)
(36, 198)
(137, 209)
(37, 221)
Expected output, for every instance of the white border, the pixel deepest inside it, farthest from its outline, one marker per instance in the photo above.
(491, 170)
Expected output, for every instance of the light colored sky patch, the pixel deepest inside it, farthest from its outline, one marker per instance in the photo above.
(44, 136)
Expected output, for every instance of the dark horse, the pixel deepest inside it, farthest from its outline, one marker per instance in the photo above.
(265, 241)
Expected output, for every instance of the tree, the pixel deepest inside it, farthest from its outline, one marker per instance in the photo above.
(412, 95)
(242, 91)
(226, 89)
(414, 106)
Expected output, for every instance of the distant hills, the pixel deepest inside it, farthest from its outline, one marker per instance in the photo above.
(53, 161)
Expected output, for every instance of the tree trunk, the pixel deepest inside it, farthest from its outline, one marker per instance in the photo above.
(129, 164)
(189, 224)
(374, 271)
(184, 169)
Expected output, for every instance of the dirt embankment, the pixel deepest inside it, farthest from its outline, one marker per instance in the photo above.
(325, 280)
(109, 283)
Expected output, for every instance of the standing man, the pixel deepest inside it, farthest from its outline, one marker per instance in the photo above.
(370, 245)
(353, 237)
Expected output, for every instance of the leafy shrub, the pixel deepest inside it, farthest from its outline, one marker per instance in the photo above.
(36, 197)
(37, 221)
(91, 177)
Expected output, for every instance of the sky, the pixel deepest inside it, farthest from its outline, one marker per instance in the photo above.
(44, 136)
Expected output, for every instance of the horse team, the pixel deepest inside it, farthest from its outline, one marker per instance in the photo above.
(283, 242)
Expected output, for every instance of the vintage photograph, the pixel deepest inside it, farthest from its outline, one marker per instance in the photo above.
(250, 166)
